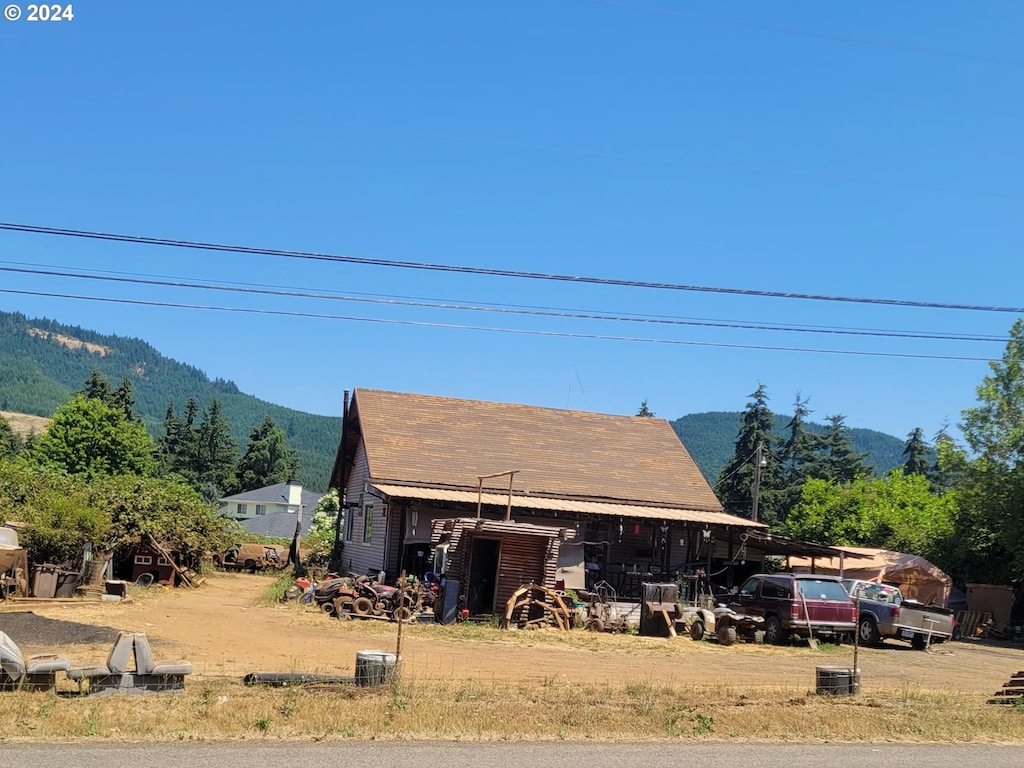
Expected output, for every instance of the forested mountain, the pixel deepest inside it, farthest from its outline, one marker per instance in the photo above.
(711, 439)
(42, 363)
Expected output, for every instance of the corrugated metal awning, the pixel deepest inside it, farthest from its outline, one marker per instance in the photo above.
(567, 505)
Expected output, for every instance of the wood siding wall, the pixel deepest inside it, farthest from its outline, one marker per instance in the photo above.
(526, 556)
(362, 557)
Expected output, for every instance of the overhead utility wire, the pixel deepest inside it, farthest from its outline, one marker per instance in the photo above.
(810, 33)
(293, 294)
(430, 302)
(514, 331)
(490, 272)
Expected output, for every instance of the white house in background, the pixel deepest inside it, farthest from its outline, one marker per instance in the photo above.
(282, 497)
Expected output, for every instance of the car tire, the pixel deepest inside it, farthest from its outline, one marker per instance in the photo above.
(867, 631)
(773, 631)
(919, 642)
(697, 630)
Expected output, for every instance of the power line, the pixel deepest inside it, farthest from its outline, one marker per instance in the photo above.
(811, 34)
(533, 312)
(489, 272)
(514, 331)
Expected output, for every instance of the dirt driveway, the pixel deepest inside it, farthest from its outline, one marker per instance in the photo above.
(224, 630)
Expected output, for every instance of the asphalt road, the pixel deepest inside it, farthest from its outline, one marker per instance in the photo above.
(504, 755)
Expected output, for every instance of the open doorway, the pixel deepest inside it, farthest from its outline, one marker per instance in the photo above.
(483, 576)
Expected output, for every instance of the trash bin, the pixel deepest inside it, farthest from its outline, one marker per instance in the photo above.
(67, 583)
(837, 681)
(44, 580)
(375, 668)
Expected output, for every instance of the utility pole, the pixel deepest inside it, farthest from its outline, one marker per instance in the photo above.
(758, 463)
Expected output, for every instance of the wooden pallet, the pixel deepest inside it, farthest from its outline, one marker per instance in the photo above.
(1012, 692)
(973, 623)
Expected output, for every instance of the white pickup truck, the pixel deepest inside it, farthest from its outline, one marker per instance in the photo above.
(883, 613)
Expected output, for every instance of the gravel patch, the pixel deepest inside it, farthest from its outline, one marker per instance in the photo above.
(26, 628)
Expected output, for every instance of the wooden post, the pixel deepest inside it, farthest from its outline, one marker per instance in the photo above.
(401, 583)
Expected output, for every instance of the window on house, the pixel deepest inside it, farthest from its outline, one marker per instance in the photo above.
(162, 561)
(261, 509)
(368, 524)
(241, 510)
(350, 520)
(143, 560)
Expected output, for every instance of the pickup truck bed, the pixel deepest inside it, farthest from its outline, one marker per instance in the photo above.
(883, 613)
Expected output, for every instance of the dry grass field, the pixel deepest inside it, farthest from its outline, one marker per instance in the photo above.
(477, 682)
(25, 424)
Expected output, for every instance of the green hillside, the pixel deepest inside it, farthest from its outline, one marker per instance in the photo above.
(711, 439)
(42, 363)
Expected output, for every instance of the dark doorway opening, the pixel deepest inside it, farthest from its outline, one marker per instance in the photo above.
(483, 576)
(416, 559)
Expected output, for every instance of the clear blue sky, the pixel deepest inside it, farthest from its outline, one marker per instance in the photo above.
(868, 149)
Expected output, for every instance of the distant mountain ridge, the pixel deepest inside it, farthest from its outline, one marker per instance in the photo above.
(711, 439)
(42, 363)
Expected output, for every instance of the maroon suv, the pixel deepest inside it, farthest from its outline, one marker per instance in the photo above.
(797, 604)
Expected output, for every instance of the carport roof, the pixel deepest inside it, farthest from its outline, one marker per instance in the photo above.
(773, 544)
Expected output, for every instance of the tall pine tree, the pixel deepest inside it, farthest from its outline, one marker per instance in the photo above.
(916, 451)
(216, 453)
(841, 463)
(267, 459)
(800, 458)
(736, 484)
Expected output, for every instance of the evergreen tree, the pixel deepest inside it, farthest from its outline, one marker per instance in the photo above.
(736, 484)
(267, 459)
(123, 398)
(645, 411)
(10, 441)
(97, 387)
(841, 464)
(800, 454)
(170, 445)
(916, 451)
(216, 451)
(800, 457)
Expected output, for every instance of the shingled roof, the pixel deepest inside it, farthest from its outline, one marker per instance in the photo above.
(446, 442)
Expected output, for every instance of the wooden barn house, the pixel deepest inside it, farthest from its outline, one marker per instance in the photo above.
(557, 497)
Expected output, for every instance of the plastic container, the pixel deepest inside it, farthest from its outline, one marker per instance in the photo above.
(375, 668)
(837, 681)
(44, 580)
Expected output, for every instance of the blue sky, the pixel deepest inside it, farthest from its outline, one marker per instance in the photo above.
(863, 149)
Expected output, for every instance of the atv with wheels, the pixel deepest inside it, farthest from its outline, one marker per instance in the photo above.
(731, 626)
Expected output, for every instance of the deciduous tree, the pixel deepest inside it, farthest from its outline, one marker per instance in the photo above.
(87, 437)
